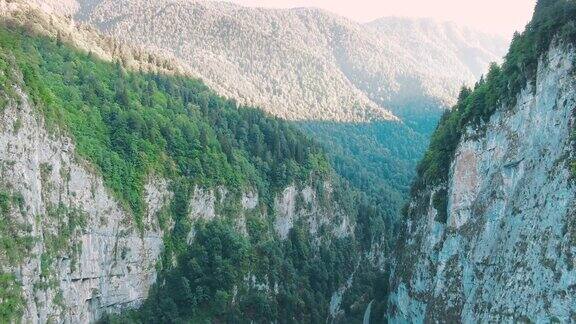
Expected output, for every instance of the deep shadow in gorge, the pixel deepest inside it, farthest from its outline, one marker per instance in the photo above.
(379, 158)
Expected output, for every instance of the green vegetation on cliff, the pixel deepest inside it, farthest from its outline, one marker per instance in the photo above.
(11, 300)
(131, 125)
(12, 249)
(227, 276)
(553, 21)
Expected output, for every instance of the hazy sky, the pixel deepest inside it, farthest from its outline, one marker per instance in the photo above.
(494, 16)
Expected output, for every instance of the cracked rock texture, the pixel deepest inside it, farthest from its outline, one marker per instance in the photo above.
(104, 263)
(507, 250)
(107, 264)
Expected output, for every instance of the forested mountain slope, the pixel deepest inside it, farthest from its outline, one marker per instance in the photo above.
(446, 43)
(378, 158)
(124, 185)
(302, 64)
(489, 234)
(343, 83)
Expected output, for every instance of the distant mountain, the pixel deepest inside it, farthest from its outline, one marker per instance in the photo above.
(466, 50)
(449, 55)
(302, 63)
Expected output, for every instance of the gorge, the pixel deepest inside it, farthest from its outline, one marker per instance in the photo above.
(189, 161)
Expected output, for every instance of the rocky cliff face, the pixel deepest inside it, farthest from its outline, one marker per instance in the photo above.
(85, 255)
(79, 252)
(506, 250)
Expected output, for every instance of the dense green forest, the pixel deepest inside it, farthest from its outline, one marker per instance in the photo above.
(132, 124)
(379, 158)
(552, 21)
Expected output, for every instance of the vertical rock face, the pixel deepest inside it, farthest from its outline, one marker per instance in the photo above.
(78, 253)
(293, 205)
(507, 249)
(87, 256)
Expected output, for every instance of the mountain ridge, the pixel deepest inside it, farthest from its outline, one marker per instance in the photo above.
(356, 74)
(313, 68)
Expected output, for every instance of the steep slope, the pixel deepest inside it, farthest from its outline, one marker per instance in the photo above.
(112, 178)
(489, 234)
(379, 158)
(280, 60)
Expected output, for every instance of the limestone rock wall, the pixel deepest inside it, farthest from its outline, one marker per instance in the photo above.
(295, 204)
(86, 255)
(507, 250)
(80, 253)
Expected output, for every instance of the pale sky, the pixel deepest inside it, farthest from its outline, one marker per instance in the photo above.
(492, 16)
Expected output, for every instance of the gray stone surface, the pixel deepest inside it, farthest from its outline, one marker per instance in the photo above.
(108, 263)
(507, 250)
